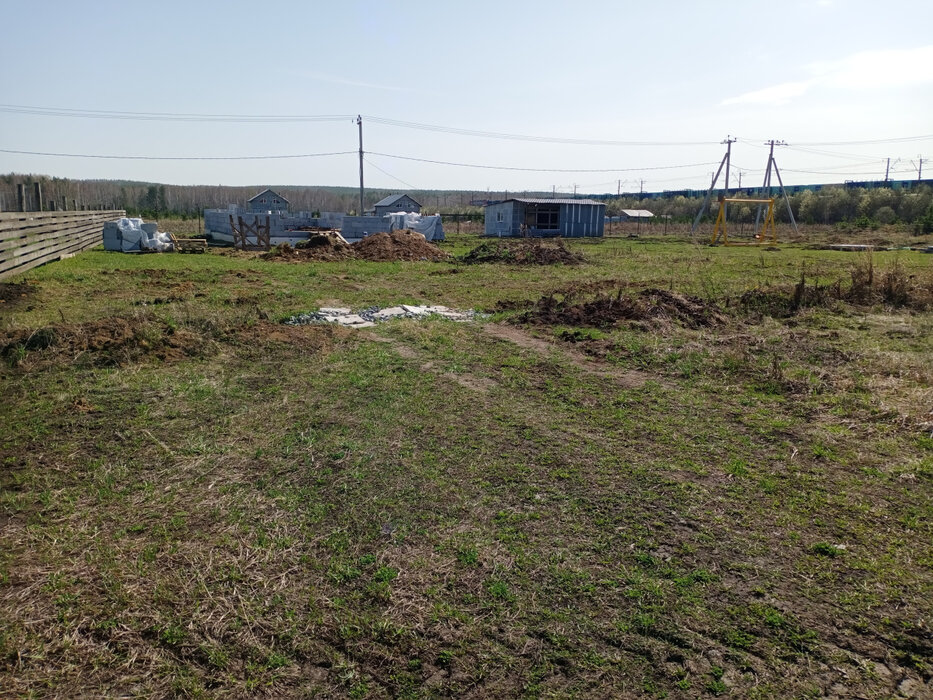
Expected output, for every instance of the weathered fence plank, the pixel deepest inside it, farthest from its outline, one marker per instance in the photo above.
(30, 239)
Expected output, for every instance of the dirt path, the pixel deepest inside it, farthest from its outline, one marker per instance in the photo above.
(629, 379)
(470, 381)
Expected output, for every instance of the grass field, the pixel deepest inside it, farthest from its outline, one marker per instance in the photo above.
(725, 491)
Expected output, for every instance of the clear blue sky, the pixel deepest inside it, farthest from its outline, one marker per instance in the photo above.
(682, 74)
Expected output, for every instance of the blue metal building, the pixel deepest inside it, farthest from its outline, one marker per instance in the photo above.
(570, 218)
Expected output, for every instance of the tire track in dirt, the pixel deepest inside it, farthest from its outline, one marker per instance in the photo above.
(627, 379)
(473, 382)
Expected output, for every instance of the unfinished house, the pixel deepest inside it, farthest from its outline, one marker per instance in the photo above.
(570, 218)
(396, 203)
(267, 202)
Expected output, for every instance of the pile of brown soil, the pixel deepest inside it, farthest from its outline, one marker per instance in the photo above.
(526, 251)
(398, 245)
(604, 310)
(319, 247)
(112, 341)
(14, 293)
(379, 247)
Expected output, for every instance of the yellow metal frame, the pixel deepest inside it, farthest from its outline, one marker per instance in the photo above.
(719, 231)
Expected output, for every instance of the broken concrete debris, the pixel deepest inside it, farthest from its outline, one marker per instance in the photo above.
(365, 318)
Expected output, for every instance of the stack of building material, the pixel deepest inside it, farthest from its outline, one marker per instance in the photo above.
(133, 236)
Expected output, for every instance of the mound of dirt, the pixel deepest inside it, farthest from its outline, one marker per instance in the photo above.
(526, 251)
(316, 248)
(379, 247)
(398, 245)
(112, 341)
(15, 293)
(605, 310)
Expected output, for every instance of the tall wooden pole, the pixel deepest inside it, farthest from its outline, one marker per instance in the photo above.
(359, 122)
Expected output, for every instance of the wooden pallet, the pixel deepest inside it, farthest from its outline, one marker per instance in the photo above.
(189, 245)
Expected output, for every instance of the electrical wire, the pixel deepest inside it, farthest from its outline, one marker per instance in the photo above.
(536, 170)
(397, 179)
(170, 116)
(105, 157)
(525, 137)
(900, 139)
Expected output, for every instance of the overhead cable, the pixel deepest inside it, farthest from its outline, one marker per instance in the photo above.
(170, 116)
(538, 170)
(106, 157)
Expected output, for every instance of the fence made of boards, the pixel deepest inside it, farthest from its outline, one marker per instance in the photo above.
(32, 238)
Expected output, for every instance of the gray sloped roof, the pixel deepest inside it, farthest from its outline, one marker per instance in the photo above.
(533, 200)
(276, 194)
(637, 213)
(392, 199)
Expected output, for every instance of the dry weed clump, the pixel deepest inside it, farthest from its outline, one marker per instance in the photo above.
(605, 310)
(893, 288)
(109, 342)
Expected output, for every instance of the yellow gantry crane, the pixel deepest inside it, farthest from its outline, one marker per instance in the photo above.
(720, 231)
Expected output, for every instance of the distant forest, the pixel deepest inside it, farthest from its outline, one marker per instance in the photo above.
(858, 206)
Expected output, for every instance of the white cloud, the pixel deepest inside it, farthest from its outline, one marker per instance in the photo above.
(336, 79)
(859, 72)
(774, 95)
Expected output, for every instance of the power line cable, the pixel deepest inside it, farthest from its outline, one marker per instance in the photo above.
(397, 179)
(109, 157)
(169, 116)
(536, 170)
(526, 137)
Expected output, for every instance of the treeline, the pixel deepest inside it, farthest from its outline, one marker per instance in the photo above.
(856, 206)
(155, 200)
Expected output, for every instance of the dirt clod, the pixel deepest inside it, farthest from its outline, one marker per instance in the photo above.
(15, 293)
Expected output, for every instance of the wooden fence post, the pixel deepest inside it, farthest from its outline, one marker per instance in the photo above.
(21, 196)
(37, 188)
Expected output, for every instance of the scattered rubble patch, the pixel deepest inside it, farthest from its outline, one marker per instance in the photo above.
(605, 310)
(403, 245)
(526, 251)
(370, 316)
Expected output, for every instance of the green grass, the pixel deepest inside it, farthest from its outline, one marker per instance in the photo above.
(222, 506)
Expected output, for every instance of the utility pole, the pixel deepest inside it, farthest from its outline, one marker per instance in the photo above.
(766, 184)
(574, 190)
(887, 169)
(619, 189)
(729, 141)
(641, 188)
(359, 123)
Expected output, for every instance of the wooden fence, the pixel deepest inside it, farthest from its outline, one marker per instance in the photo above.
(32, 238)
